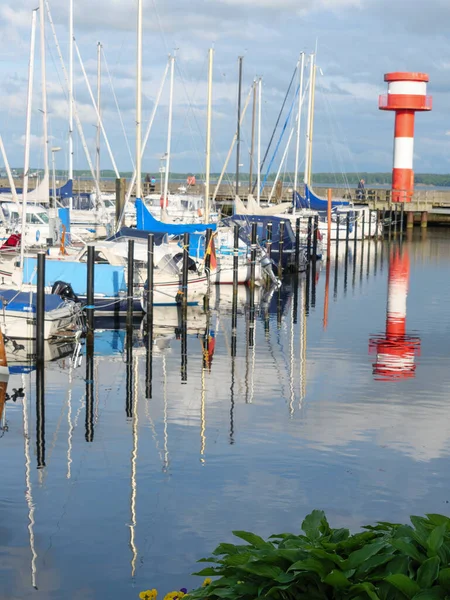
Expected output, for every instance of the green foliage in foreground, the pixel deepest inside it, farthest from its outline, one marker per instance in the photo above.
(384, 562)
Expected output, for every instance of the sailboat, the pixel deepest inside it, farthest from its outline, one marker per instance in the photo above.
(19, 308)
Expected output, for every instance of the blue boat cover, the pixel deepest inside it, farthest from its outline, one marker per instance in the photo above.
(26, 301)
(146, 221)
(131, 232)
(109, 280)
(312, 201)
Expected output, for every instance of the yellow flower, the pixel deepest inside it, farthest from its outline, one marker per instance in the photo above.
(148, 595)
(206, 582)
(174, 595)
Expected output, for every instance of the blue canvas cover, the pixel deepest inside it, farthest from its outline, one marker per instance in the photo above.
(146, 221)
(312, 201)
(109, 280)
(26, 301)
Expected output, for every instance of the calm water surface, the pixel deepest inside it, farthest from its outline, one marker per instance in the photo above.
(338, 405)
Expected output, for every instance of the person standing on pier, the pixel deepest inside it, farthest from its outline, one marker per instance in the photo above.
(361, 190)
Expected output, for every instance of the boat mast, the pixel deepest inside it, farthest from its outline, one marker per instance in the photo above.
(238, 137)
(258, 175)
(299, 117)
(139, 102)
(44, 92)
(312, 122)
(252, 145)
(26, 162)
(99, 92)
(169, 133)
(308, 125)
(71, 99)
(208, 133)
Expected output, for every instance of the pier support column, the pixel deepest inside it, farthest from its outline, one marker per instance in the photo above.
(409, 219)
(424, 220)
(121, 184)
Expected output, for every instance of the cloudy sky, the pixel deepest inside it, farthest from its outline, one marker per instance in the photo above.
(357, 40)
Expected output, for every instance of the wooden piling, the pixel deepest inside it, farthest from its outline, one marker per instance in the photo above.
(121, 184)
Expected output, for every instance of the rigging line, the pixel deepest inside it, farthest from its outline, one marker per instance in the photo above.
(96, 108)
(161, 30)
(190, 108)
(118, 108)
(276, 125)
(279, 140)
(331, 143)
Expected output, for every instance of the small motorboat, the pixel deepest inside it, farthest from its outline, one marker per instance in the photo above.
(18, 315)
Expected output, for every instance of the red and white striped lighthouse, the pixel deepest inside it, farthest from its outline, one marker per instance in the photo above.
(396, 349)
(407, 93)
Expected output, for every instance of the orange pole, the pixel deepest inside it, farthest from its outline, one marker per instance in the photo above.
(3, 387)
(3, 360)
(329, 225)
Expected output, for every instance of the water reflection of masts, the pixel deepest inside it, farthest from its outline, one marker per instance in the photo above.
(29, 491)
(303, 301)
(134, 454)
(291, 353)
(202, 418)
(166, 437)
(69, 425)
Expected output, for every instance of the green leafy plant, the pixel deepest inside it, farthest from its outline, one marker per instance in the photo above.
(384, 562)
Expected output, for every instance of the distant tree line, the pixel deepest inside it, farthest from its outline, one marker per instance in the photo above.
(338, 179)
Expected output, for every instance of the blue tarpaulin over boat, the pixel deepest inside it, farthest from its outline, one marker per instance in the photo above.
(109, 280)
(312, 201)
(26, 301)
(146, 221)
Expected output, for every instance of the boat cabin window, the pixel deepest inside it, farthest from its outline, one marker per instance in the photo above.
(99, 258)
(37, 219)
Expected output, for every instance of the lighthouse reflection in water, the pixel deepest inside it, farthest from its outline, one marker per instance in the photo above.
(395, 349)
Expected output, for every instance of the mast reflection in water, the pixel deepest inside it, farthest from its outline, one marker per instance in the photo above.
(395, 349)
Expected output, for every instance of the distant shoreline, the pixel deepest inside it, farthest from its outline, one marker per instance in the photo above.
(335, 180)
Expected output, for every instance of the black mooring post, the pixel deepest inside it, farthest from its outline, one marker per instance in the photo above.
(363, 232)
(130, 282)
(251, 320)
(184, 304)
(309, 239)
(269, 239)
(235, 291)
(40, 308)
(150, 277)
(297, 244)
(90, 287)
(185, 272)
(150, 286)
(315, 237)
(253, 249)
(281, 248)
(347, 231)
